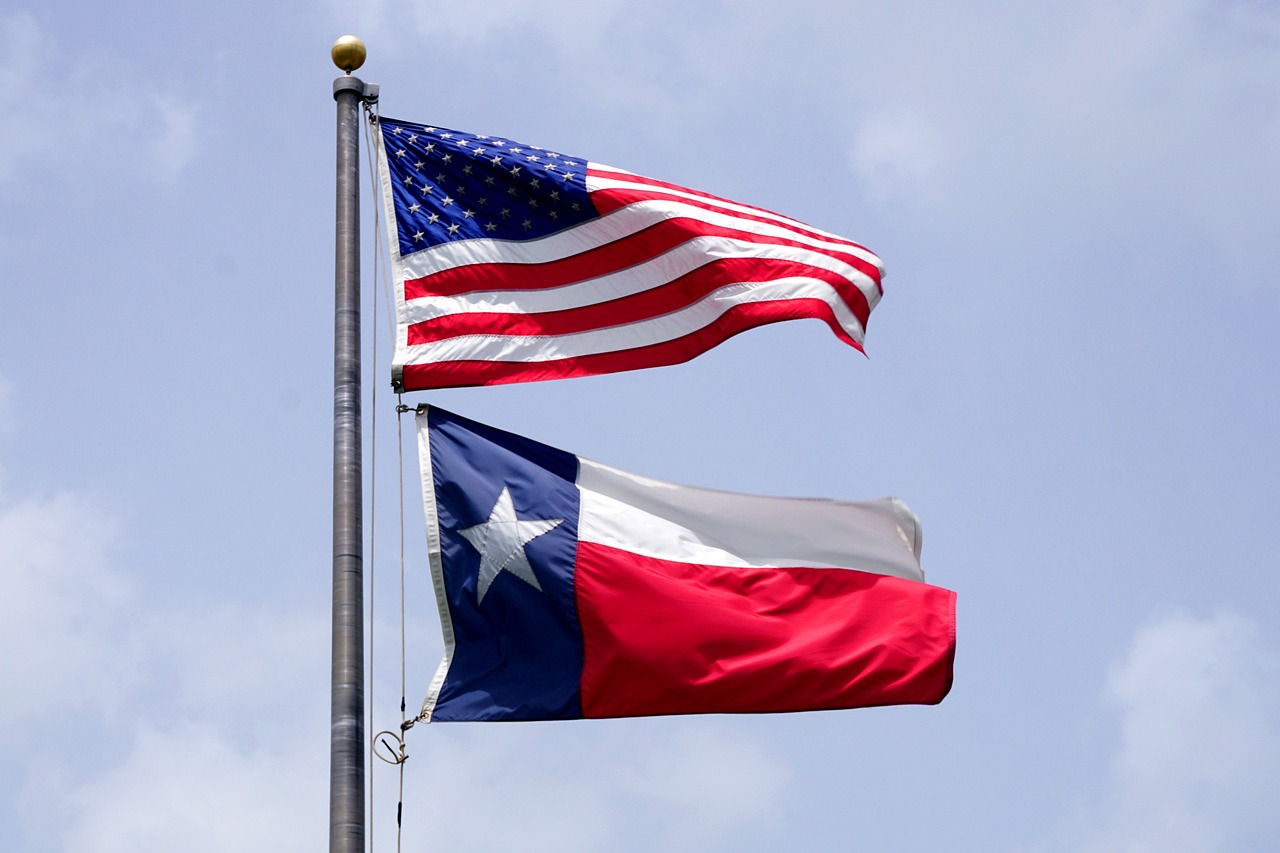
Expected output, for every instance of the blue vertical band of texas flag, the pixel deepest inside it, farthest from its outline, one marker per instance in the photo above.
(515, 652)
(569, 589)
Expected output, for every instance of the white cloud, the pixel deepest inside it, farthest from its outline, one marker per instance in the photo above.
(574, 26)
(127, 727)
(898, 154)
(131, 728)
(1154, 119)
(618, 785)
(709, 785)
(189, 788)
(62, 616)
(230, 659)
(20, 132)
(174, 144)
(59, 109)
(6, 407)
(1199, 758)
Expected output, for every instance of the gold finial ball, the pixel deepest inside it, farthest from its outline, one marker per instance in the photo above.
(348, 53)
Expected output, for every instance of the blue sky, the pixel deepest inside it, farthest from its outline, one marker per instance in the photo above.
(1067, 380)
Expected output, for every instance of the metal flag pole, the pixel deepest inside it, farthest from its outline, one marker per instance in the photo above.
(346, 736)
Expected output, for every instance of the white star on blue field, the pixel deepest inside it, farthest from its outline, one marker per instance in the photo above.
(501, 540)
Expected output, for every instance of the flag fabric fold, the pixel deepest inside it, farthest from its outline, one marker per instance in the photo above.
(569, 589)
(514, 264)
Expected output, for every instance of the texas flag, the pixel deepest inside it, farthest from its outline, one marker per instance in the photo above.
(569, 589)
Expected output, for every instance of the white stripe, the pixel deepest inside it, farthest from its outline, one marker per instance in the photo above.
(593, 233)
(700, 526)
(601, 182)
(649, 275)
(437, 566)
(667, 327)
(393, 246)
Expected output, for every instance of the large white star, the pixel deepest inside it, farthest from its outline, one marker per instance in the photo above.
(501, 541)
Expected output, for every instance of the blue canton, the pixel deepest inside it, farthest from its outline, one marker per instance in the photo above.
(450, 186)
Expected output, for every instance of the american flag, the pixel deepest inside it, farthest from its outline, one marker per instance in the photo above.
(513, 263)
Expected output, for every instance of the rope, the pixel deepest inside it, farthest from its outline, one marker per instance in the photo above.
(404, 727)
(380, 745)
(404, 723)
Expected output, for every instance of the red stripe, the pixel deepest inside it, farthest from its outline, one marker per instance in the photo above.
(458, 374)
(597, 261)
(665, 299)
(662, 637)
(674, 189)
(597, 172)
(608, 199)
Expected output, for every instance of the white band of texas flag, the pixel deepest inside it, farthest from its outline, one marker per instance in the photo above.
(513, 263)
(570, 589)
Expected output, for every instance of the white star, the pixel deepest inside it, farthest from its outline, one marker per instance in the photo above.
(501, 541)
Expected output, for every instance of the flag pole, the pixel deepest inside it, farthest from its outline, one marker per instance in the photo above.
(346, 704)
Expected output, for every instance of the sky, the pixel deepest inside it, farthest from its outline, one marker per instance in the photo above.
(1076, 204)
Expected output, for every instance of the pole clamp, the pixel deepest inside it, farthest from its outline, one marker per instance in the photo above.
(365, 92)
